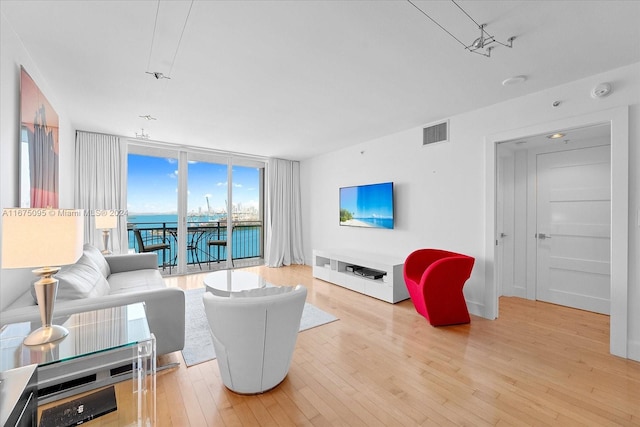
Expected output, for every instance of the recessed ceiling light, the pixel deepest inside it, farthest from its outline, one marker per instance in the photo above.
(556, 136)
(514, 80)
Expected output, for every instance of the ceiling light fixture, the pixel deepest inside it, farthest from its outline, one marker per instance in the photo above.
(148, 117)
(556, 135)
(158, 75)
(142, 135)
(483, 42)
(514, 80)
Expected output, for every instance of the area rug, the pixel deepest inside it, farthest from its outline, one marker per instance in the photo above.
(198, 347)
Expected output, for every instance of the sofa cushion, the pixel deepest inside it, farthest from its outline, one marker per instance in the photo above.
(98, 259)
(81, 280)
(261, 292)
(137, 280)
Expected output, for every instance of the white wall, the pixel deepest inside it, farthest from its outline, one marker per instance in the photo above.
(12, 56)
(441, 189)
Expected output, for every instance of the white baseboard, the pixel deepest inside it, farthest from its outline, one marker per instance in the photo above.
(633, 350)
(476, 308)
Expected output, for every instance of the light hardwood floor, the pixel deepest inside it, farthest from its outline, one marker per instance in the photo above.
(384, 365)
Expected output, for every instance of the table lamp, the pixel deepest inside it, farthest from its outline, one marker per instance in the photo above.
(37, 238)
(106, 222)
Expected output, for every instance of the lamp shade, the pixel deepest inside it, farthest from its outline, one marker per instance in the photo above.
(106, 221)
(41, 237)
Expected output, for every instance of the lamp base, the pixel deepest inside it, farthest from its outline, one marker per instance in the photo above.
(105, 242)
(46, 290)
(46, 334)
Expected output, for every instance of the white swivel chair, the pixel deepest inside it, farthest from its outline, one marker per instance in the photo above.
(254, 334)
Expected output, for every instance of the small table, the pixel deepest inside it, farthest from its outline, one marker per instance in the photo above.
(225, 282)
(18, 388)
(103, 347)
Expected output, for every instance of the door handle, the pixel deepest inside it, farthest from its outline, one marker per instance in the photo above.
(503, 235)
(543, 236)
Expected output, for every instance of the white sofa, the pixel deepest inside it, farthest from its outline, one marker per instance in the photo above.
(96, 281)
(254, 335)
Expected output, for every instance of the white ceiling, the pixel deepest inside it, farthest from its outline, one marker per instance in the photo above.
(294, 79)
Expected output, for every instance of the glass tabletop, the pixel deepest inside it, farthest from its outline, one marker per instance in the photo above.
(225, 282)
(89, 333)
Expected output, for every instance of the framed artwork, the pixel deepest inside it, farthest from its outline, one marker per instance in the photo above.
(39, 147)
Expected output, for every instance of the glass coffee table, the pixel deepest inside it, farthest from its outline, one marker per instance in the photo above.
(225, 282)
(103, 347)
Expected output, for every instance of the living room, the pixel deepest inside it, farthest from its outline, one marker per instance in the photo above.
(444, 193)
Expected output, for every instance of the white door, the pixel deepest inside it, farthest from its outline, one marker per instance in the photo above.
(505, 219)
(573, 228)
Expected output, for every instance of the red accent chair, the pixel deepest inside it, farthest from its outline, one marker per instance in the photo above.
(434, 279)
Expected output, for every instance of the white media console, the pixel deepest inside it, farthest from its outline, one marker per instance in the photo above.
(334, 266)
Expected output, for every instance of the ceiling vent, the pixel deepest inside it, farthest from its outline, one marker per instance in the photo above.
(435, 133)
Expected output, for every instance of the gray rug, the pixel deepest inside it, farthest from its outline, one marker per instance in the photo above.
(198, 347)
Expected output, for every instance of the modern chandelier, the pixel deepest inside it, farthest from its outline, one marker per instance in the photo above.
(485, 41)
(142, 135)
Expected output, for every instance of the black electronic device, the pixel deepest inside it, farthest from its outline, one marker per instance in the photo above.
(81, 410)
(353, 268)
(370, 273)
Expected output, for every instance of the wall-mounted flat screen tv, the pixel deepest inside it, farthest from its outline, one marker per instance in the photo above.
(367, 205)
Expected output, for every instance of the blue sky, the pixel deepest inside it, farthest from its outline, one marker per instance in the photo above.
(152, 185)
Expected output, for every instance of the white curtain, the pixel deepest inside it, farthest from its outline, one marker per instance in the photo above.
(284, 215)
(101, 162)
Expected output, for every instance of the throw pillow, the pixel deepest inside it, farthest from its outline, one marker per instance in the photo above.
(97, 258)
(261, 292)
(81, 280)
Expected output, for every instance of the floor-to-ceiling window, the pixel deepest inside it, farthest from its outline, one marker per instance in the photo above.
(152, 205)
(247, 187)
(207, 210)
(206, 207)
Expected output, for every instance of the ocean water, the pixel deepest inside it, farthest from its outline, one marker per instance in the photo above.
(246, 239)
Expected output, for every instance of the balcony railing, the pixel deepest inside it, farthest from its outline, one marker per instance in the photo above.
(207, 243)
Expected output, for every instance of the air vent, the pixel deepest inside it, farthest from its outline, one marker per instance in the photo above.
(435, 133)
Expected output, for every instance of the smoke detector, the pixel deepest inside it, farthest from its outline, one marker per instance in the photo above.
(601, 90)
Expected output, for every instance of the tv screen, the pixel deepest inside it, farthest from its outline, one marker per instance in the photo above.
(367, 205)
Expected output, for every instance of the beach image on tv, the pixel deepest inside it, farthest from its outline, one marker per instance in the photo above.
(367, 205)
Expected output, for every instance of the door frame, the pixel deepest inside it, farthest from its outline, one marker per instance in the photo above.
(618, 119)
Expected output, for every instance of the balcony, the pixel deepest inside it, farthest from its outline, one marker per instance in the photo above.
(207, 244)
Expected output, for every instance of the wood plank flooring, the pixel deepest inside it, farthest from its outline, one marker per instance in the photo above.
(384, 365)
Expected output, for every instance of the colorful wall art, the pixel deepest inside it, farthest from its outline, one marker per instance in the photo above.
(39, 147)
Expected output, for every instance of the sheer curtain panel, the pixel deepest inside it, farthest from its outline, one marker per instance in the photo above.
(284, 214)
(101, 185)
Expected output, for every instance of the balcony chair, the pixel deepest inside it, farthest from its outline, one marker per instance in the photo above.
(254, 335)
(193, 243)
(434, 279)
(142, 247)
(217, 244)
